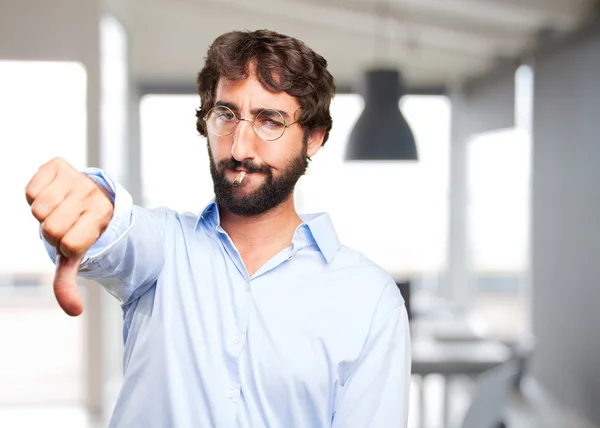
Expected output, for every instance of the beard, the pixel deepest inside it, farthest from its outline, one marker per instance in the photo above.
(270, 194)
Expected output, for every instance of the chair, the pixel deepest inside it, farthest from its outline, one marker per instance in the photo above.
(490, 396)
(522, 353)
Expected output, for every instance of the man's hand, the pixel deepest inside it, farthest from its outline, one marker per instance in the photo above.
(73, 211)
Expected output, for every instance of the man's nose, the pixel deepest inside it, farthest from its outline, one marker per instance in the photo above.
(244, 140)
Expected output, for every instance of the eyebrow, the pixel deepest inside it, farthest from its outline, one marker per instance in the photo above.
(254, 111)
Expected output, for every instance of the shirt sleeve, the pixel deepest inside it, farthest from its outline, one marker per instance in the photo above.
(129, 255)
(376, 392)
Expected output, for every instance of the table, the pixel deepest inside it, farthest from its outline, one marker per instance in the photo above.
(431, 356)
(452, 358)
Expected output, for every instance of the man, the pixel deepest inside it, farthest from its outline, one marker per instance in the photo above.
(248, 315)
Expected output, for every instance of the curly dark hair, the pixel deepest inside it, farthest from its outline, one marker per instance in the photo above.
(283, 63)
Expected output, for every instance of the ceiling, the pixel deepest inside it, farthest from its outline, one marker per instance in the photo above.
(434, 42)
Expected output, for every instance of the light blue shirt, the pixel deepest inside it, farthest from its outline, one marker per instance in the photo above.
(317, 337)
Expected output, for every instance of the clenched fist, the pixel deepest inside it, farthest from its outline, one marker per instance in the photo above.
(73, 211)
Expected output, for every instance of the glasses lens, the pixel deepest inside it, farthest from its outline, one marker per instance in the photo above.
(221, 121)
(269, 125)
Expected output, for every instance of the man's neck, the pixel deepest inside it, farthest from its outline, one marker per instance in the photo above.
(262, 235)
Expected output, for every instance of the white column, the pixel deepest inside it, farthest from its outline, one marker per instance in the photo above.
(457, 284)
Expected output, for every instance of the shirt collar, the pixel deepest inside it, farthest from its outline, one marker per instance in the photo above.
(210, 212)
(315, 227)
(322, 231)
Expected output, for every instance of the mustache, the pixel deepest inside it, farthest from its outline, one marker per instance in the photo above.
(248, 165)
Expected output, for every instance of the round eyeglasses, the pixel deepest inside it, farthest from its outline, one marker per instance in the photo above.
(268, 124)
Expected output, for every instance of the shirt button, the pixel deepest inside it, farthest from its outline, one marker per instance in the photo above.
(236, 339)
(231, 394)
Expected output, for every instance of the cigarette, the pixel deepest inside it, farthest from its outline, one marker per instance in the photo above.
(239, 178)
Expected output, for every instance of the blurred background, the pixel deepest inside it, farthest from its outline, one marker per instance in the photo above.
(484, 185)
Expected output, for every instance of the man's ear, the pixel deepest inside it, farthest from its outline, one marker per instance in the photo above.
(315, 141)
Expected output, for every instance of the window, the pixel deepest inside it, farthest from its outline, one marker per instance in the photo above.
(498, 189)
(45, 107)
(498, 211)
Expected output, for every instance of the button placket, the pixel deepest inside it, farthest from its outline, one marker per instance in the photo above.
(234, 392)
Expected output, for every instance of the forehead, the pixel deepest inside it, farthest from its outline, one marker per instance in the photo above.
(249, 94)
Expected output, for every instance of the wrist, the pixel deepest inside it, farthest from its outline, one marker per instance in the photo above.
(103, 183)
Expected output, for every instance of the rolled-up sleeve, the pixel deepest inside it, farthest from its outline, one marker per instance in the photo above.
(129, 255)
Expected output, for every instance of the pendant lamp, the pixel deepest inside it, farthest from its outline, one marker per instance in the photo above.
(381, 132)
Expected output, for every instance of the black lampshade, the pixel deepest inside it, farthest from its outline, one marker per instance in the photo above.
(381, 132)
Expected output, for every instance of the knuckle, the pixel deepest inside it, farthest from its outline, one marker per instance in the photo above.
(44, 205)
(40, 210)
(60, 167)
(30, 194)
(33, 188)
(72, 246)
(44, 167)
(88, 186)
(57, 162)
(51, 229)
(53, 164)
(51, 240)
